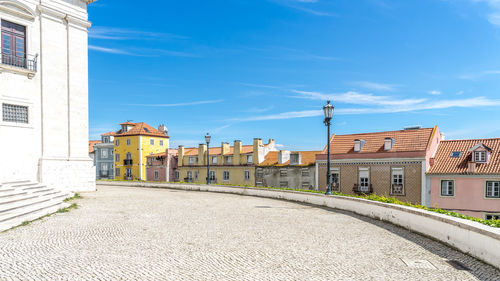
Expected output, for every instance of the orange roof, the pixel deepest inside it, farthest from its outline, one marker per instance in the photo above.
(170, 150)
(109, 134)
(193, 151)
(128, 123)
(307, 158)
(141, 129)
(445, 164)
(405, 141)
(91, 145)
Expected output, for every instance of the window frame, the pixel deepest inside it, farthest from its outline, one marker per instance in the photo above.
(441, 188)
(283, 173)
(156, 175)
(250, 156)
(16, 123)
(104, 153)
(493, 191)
(129, 142)
(228, 159)
(117, 142)
(400, 171)
(224, 178)
(213, 157)
(362, 184)
(160, 142)
(245, 173)
(117, 172)
(482, 154)
(492, 215)
(117, 157)
(152, 142)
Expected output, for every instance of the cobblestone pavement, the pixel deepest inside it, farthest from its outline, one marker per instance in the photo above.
(121, 233)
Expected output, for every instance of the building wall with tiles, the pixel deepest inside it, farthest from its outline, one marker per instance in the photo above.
(297, 177)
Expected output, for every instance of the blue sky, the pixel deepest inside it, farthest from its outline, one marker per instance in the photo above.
(241, 69)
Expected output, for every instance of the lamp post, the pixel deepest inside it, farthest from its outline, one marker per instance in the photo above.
(207, 139)
(328, 111)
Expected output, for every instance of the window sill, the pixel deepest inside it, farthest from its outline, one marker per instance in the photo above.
(18, 70)
(17, 125)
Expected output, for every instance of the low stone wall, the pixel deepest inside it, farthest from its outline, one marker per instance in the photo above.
(478, 240)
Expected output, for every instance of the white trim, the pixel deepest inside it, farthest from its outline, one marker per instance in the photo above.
(140, 158)
(424, 192)
(355, 160)
(27, 13)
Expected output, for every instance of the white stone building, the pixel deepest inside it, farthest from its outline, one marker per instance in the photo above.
(44, 93)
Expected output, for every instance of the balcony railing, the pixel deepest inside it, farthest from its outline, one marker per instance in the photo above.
(397, 189)
(127, 162)
(29, 63)
(357, 189)
(335, 187)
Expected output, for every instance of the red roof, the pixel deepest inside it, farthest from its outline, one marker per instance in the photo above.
(141, 129)
(307, 158)
(193, 151)
(91, 145)
(445, 164)
(109, 134)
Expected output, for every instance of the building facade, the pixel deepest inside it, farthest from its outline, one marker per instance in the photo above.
(287, 169)
(162, 166)
(44, 93)
(465, 177)
(133, 143)
(385, 163)
(104, 157)
(233, 165)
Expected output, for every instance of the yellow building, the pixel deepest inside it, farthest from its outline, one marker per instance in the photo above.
(133, 143)
(233, 165)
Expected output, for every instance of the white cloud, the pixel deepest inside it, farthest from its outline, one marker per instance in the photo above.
(352, 97)
(179, 104)
(472, 76)
(113, 33)
(494, 16)
(435, 92)
(298, 5)
(108, 50)
(376, 86)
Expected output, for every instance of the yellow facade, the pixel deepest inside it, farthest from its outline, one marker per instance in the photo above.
(236, 174)
(138, 147)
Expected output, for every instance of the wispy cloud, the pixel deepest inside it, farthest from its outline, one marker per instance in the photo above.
(434, 92)
(494, 16)
(109, 50)
(472, 76)
(138, 52)
(304, 6)
(376, 86)
(352, 97)
(179, 104)
(113, 33)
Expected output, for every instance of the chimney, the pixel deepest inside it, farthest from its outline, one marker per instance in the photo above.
(202, 150)
(283, 156)
(431, 161)
(162, 128)
(388, 144)
(224, 148)
(472, 167)
(257, 146)
(180, 155)
(237, 152)
(358, 145)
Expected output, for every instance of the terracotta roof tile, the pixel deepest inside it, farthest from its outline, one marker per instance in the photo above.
(193, 151)
(445, 164)
(171, 151)
(109, 134)
(141, 129)
(270, 159)
(405, 141)
(307, 158)
(91, 145)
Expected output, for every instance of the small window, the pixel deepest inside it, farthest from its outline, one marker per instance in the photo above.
(283, 184)
(305, 172)
(225, 175)
(283, 173)
(15, 113)
(105, 140)
(247, 175)
(397, 186)
(229, 159)
(150, 161)
(128, 141)
(161, 142)
(117, 142)
(456, 154)
(152, 142)
(249, 159)
(129, 156)
(493, 189)
(146, 130)
(294, 159)
(335, 181)
(117, 172)
(176, 175)
(195, 175)
(447, 188)
(480, 156)
(189, 176)
(104, 153)
(157, 176)
(117, 156)
(214, 159)
(192, 160)
(306, 185)
(492, 216)
(212, 176)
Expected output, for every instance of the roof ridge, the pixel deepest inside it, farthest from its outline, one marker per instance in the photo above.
(403, 130)
(457, 140)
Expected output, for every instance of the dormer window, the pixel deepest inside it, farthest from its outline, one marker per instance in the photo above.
(358, 145)
(480, 156)
(294, 159)
(388, 144)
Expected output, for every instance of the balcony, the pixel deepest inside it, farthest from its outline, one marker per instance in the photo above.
(362, 190)
(28, 64)
(127, 162)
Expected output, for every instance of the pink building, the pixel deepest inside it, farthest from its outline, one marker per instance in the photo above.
(162, 166)
(465, 177)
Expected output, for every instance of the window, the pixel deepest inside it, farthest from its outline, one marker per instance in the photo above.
(335, 181)
(128, 141)
(456, 154)
(225, 175)
(305, 172)
(129, 156)
(104, 153)
(117, 142)
(117, 172)
(117, 156)
(105, 139)
(259, 173)
(294, 159)
(195, 175)
(306, 185)
(176, 175)
(212, 176)
(128, 173)
(247, 175)
(189, 176)
(152, 142)
(192, 160)
(214, 159)
(397, 186)
(15, 113)
(447, 188)
(492, 216)
(13, 44)
(283, 173)
(157, 176)
(249, 159)
(480, 156)
(364, 179)
(493, 189)
(283, 184)
(161, 142)
(104, 167)
(150, 161)
(229, 159)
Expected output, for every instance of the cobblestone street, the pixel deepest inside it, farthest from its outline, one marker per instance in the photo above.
(157, 234)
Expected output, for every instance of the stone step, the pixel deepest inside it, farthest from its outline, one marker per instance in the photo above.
(34, 188)
(27, 184)
(15, 182)
(20, 196)
(30, 213)
(2, 190)
(12, 193)
(23, 203)
(42, 190)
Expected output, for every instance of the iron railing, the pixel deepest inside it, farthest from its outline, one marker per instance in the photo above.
(127, 162)
(357, 189)
(29, 63)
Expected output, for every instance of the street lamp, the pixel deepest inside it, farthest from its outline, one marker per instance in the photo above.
(328, 111)
(207, 139)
